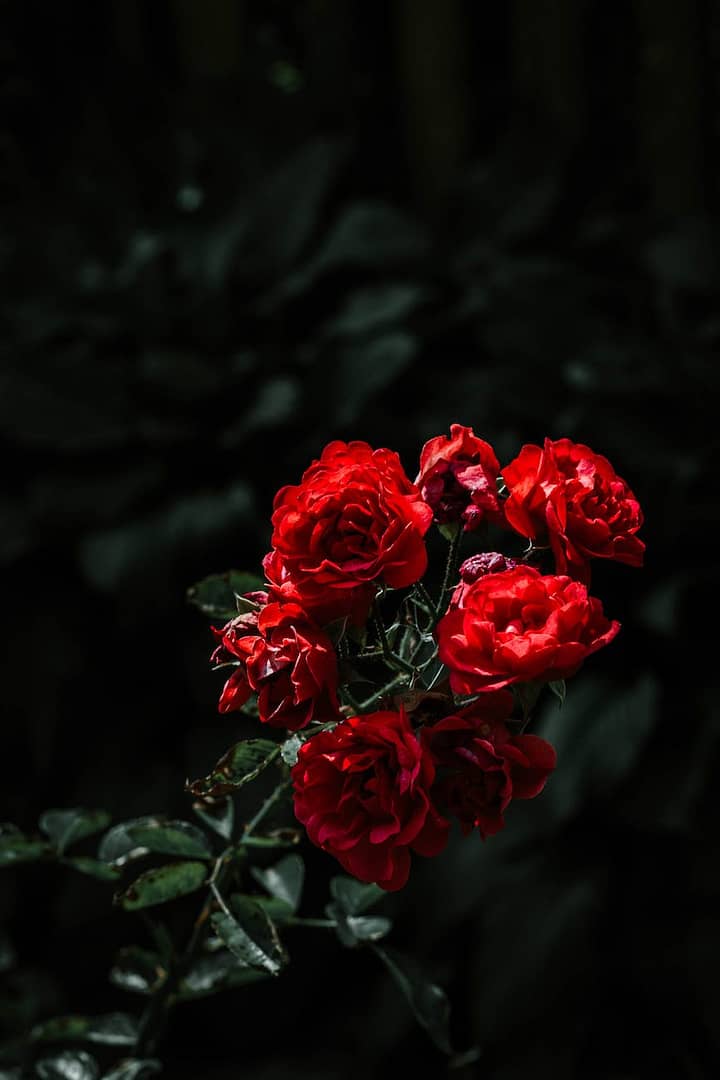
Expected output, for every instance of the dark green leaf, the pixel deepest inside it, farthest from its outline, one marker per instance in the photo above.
(65, 827)
(115, 1029)
(217, 971)
(134, 1069)
(137, 970)
(68, 1065)
(215, 594)
(119, 844)
(427, 1000)
(171, 838)
(278, 838)
(16, 848)
(284, 880)
(251, 935)
(61, 1029)
(354, 896)
(357, 929)
(241, 764)
(10, 1074)
(93, 867)
(218, 814)
(162, 884)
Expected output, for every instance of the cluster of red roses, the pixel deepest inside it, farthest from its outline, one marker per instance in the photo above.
(372, 787)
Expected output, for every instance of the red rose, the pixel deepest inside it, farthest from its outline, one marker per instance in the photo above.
(362, 792)
(354, 519)
(518, 626)
(235, 641)
(487, 562)
(458, 478)
(291, 664)
(481, 766)
(568, 495)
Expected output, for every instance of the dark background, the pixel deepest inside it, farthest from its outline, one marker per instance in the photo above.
(232, 231)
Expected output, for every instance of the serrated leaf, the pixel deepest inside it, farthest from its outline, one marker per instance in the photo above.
(215, 595)
(284, 880)
(134, 1069)
(16, 848)
(354, 896)
(171, 838)
(217, 971)
(218, 814)
(118, 844)
(137, 970)
(428, 1001)
(65, 827)
(162, 884)
(239, 766)
(250, 935)
(68, 1065)
(290, 749)
(93, 867)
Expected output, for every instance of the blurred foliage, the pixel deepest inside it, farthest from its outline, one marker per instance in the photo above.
(224, 243)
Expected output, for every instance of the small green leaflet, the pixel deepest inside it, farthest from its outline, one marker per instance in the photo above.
(242, 763)
(162, 884)
(65, 827)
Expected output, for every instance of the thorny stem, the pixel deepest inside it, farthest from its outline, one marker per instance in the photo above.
(266, 806)
(450, 568)
(374, 698)
(391, 659)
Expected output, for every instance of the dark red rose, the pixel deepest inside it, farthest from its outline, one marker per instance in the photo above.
(354, 520)
(481, 766)
(487, 562)
(289, 661)
(458, 478)
(362, 793)
(519, 626)
(293, 668)
(570, 497)
(235, 642)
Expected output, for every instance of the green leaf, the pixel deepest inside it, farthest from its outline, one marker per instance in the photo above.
(354, 896)
(357, 929)
(215, 594)
(427, 1000)
(68, 1065)
(146, 834)
(251, 935)
(15, 847)
(134, 1069)
(162, 884)
(171, 838)
(114, 1029)
(65, 827)
(242, 763)
(290, 749)
(93, 867)
(61, 1029)
(218, 814)
(217, 971)
(284, 880)
(118, 844)
(277, 838)
(137, 970)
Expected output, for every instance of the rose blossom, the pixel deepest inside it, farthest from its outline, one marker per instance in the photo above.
(487, 562)
(289, 661)
(458, 478)
(571, 497)
(362, 792)
(354, 520)
(481, 766)
(520, 625)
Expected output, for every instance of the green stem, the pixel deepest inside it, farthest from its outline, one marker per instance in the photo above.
(374, 698)
(450, 569)
(321, 924)
(391, 659)
(266, 806)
